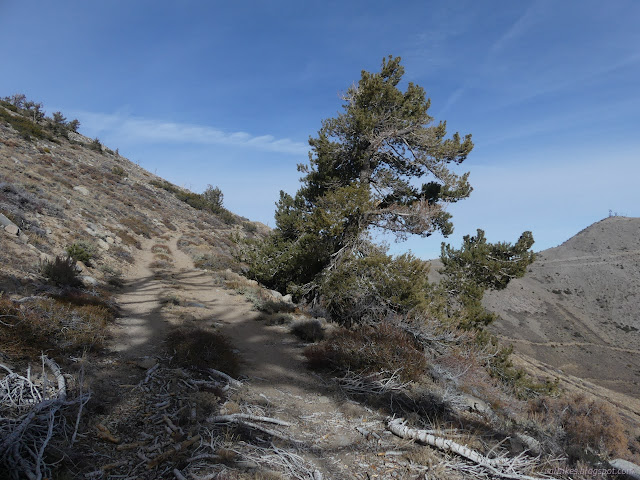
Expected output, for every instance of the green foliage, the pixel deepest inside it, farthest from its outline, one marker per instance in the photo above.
(95, 145)
(118, 170)
(73, 125)
(372, 285)
(478, 266)
(82, 252)
(210, 200)
(363, 170)
(62, 272)
(25, 126)
(214, 196)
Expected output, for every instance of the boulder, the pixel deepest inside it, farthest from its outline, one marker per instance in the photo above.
(288, 298)
(110, 240)
(102, 244)
(4, 221)
(12, 229)
(88, 281)
(81, 189)
(631, 470)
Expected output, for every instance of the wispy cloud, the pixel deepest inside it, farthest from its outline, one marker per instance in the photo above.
(127, 128)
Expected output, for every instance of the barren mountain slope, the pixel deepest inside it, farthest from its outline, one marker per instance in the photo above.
(577, 307)
(59, 192)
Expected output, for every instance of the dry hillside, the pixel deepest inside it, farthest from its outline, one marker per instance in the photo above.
(577, 307)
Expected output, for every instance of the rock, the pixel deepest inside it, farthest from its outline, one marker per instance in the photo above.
(110, 240)
(5, 222)
(472, 404)
(521, 442)
(102, 244)
(118, 239)
(288, 298)
(88, 281)
(275, 295)
(631, 470)
(81, 189)
(81, 266)
(91, 232)
(45, 257)
(49, 231)
(12, 229)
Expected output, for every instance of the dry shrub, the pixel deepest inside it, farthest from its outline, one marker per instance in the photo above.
(160, 248)
(585, 426)
(309, 330)
(51, 325)
(163, 257)
(138, 226)
(129, 239)
(202, 349)
(369, 350)
(160, 264)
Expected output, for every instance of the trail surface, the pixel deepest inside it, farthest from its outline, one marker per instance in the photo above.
(327, 424)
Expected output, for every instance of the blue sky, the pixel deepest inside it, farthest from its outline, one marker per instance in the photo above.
(228, 93)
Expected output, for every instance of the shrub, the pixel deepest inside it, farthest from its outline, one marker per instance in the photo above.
(118, 170)
(211, 261)
(202, 349)
(137, 225)
(82, 252)
(369, 350)
(129, 239)
(309, 330)
(52, 325)
(368, 288)
(160, 248)
(62, 272)
(25, 127)
(96, 145)
(584, 426)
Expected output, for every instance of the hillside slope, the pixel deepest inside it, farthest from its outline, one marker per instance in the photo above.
(61, 191)
(577, 307)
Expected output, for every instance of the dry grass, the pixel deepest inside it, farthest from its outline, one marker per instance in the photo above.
(160, 248)
(369, 350)
(51, 326)
(202, 349)
(583, 426)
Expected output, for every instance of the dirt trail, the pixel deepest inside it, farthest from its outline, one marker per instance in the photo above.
(273, 370)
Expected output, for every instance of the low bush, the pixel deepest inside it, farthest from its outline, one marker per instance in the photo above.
(160, 248)
(82, 252)
(309, 330)
(61, 271)
(202, 349)
(118, 170)
(584, 427)
(369, 350)
(138, 226)
(129, 239)
(52, 325)
(213, 262)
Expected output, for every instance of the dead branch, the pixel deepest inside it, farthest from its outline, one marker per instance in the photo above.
(502, 467)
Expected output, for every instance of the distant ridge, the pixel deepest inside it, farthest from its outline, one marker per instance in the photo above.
(577, 309)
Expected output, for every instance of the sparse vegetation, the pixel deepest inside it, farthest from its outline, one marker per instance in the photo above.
(369, 350)
(309, 330)
(82, 252)
(61, 271)
(202, 349)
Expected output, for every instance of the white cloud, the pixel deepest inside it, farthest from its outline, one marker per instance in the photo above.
(126, 128)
